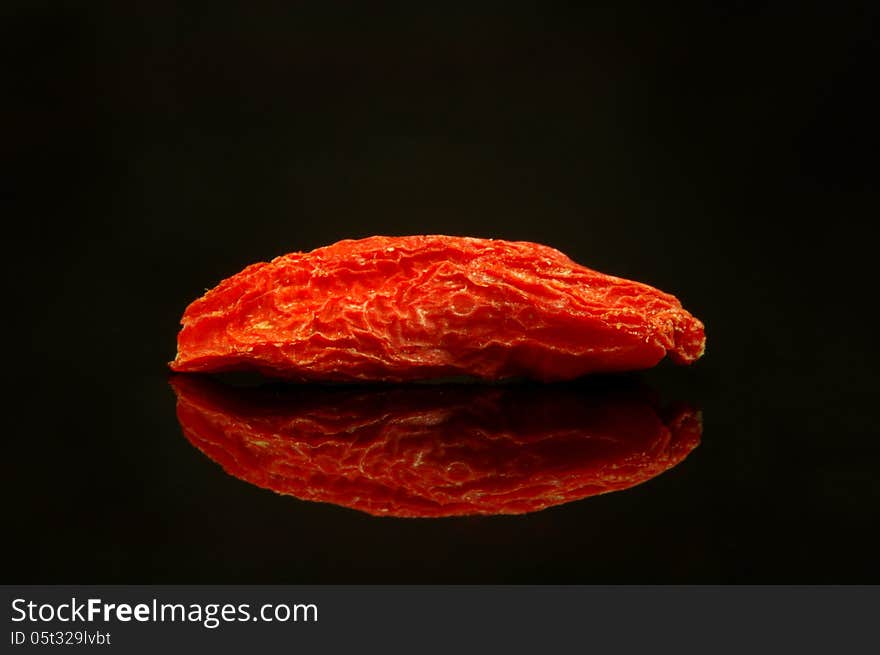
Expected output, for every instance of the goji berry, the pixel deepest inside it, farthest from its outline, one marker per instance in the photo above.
(430, 451)
(404, 308)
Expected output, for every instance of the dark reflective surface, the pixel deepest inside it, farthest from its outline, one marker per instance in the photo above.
(437, 450)
(726, 155)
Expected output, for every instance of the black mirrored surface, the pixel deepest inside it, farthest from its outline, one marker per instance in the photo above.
(437, 450)
(717, 154)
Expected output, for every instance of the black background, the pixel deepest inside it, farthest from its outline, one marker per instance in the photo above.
(724, 155)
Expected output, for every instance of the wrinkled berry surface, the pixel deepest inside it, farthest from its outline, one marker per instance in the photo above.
(406, 308)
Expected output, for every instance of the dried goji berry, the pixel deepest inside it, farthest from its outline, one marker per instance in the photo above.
(435, 451)
(404, 308)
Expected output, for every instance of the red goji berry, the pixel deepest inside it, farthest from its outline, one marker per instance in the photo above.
(435, 451)
(404, 308)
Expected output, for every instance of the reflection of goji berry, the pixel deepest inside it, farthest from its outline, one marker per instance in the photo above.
(435, 451)
(404, 308)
